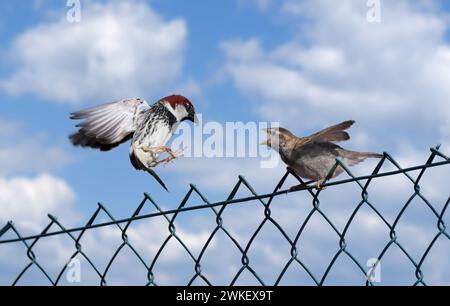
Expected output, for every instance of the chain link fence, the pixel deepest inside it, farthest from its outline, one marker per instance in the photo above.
(76, 235)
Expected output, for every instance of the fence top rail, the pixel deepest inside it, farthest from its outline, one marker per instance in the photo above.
(429, 164)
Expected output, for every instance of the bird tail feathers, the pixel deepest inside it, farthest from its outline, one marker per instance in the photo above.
(138, 165)
(353, 157)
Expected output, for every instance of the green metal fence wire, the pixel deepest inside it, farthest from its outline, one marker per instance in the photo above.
(436, 159)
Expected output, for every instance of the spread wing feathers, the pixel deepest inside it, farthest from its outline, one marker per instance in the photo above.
(332, 134)
(106, 126)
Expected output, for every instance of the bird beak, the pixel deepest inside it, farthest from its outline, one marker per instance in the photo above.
(193, 118)
(265, 142)
(196, 121)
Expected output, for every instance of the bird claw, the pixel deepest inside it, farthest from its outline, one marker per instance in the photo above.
(298, 187)
(172, 155)
(319, 185)
(306, 185)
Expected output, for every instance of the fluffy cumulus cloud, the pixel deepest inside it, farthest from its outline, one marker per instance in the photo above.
(388, 75)
(118, 49)
(28, 192)
(27, 200)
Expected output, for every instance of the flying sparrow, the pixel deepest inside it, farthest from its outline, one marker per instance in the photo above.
(106, 126)
(314, 156)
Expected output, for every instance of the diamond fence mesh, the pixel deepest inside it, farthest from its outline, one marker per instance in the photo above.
(76, 235)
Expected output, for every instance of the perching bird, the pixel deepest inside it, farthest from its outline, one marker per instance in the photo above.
(106, 126)
(314, 156)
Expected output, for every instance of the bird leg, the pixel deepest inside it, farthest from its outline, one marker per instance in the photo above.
(319, 184)
(172, 155)
(301, 186)
(159, 150)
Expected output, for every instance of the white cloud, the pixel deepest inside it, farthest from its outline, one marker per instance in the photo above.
(118, 49)
(21, 151)
(339, 66)
(158, 226)
(27, 201)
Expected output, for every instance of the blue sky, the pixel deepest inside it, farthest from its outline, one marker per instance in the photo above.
(305, 64)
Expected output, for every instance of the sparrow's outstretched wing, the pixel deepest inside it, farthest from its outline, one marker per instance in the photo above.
(107, 126)
(333, 133)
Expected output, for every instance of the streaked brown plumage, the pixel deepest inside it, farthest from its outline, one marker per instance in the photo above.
(314, 156)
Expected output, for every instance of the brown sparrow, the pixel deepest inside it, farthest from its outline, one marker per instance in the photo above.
(314, 156)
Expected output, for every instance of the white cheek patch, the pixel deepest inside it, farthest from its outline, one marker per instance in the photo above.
(181, 111)
(170, 108)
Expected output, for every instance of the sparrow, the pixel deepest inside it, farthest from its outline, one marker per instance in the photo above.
(149, 128)
(314, 156)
